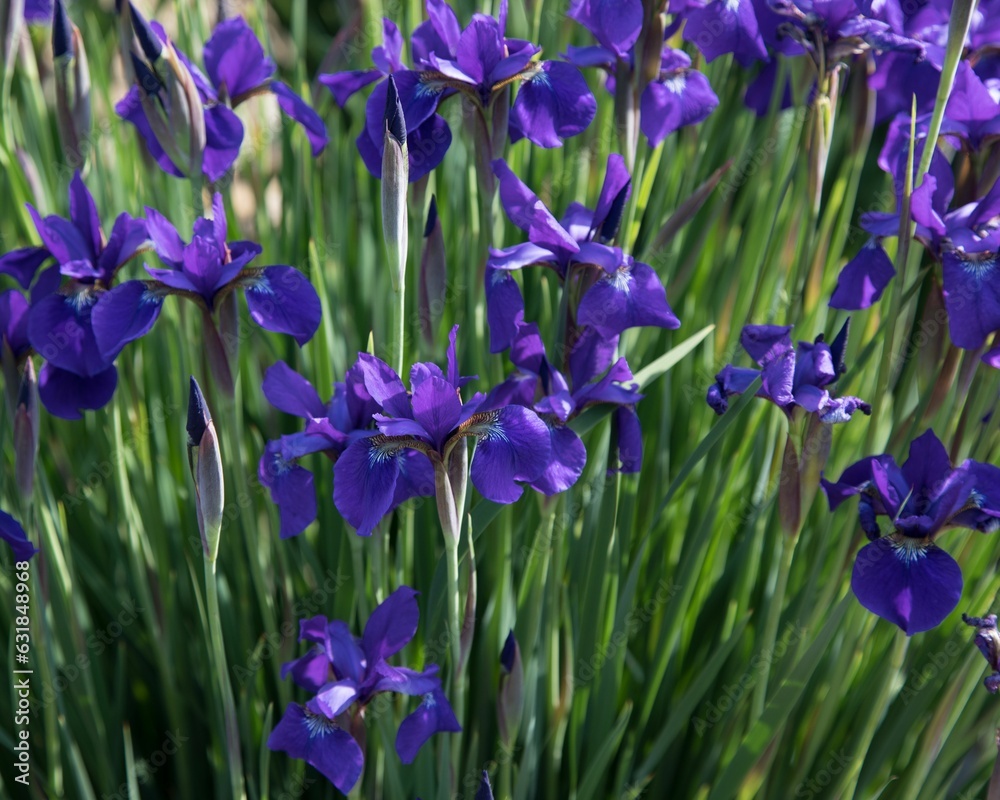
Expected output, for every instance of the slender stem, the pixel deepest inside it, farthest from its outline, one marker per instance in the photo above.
(221, 669)
(399, 326)
(197, 204)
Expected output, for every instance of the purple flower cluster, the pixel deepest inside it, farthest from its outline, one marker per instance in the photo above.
(791, 376)
(479, 63)
(345, 675)
(902, 575)
(78, 320)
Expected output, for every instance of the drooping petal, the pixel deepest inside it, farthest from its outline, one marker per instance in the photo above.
(552, 104)
(971, 296)
(726, 26)
(12, 533)
(223, 137)
(14, 321)
(67, 395)
(304, 114)
(365, 481)
(629, 444)
(909, 583)
(281, 299)
(22, 264)
(984, 496)
(568, 458)
(864, 278)
(292, 490)
(433, 715)
(123, 315)
(614, 23)
(514, 445)
(321, 743)
(685, 98)
(630, 297)
(343, 85)
(60, 330)
(391, 625)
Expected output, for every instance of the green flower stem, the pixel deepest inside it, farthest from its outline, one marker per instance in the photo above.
(221, 669)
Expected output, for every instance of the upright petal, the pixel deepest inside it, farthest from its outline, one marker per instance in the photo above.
(83, 213)
(528, 213)
(391, 625)
(288, 391)
(223, 138)
(292, 490)
(437, 407)
(384, 385)
(304, 114)
(234, 58)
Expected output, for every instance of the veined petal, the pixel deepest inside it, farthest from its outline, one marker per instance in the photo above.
(568, 458)
(321, 743)
(553, 104)
(384, 386)
(632, 297)
(514, 445)
(292, 490)
(912, 584)
(344, 651)
(123, 315)
(971, 296)
(437, 407)
(365, 478)
(281, 299)
(336, 697)
(433, 715)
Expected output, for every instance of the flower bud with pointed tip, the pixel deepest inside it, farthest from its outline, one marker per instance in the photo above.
(612, 222)
(510, 700)
(206, 469)
(72, 83)
(395, 178)
(26, 422)
(485, 791)
(433, 275)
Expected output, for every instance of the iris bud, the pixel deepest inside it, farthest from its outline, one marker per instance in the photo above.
(205, 462)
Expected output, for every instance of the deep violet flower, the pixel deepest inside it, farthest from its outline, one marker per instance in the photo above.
(206, 270)
(791, 377)
(902, 575)
(237, 69)
(479, 63)
(987, 639)
(77, 375)
(12, 533)
(345, 673)
(328, 430)
(512, 443)
(623, 293)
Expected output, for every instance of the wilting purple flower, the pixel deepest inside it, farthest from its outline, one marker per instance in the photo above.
(12, 533)
(623, 293)
(345, 674)
(77, 374)
(237, 69)
(987, 639)
(205, 270)
(513, 444)
(329, 429)
(791, 377)
(903, 576)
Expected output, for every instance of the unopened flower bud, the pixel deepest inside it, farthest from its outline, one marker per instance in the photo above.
(395, 177)
(205, 462)
(72, 81)
(433, 275)
(485, 791)
(510, 700)
(26, 421)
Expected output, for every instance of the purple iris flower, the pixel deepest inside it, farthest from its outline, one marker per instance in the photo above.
(206, 270)
(616, 25)
(237, 69)
(329, 429)
(345, 674)
(678, 96)
(987, 639)
(903, 576)
(477, 62)
(77, 374)
(512, 443)
(12, 533)
(13, 326)
(791, 377)
(594, 379)
(622, 293)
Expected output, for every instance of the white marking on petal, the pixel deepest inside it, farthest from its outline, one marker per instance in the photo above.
(979, 265)
(732, 5)
(318, 725)
(676, 83)
(622, 280)
(909, 550)
(429, 701)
